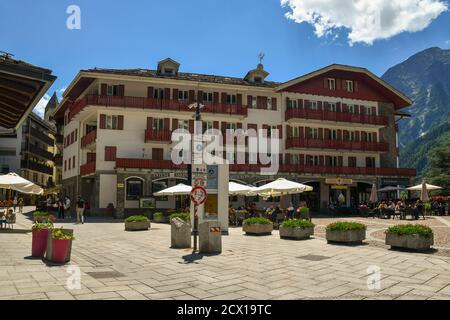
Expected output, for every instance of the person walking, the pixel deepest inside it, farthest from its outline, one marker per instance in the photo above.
(290, 211)
(80, 210)
(20, 205)
(67, 207)
(60, 209)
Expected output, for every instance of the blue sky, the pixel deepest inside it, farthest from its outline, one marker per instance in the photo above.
(205, 36)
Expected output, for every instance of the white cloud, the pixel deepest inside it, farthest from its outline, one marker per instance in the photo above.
(366, 20)
(40, 107)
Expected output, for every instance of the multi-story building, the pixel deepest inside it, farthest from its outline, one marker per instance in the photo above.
(338, 130)
(29, 151)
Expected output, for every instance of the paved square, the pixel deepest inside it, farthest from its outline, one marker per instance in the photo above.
(116, 264)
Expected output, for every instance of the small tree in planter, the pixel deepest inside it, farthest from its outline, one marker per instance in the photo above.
(40, 233)
(137, 223)
(346, 232)
(410, 236)
(296, 229)
(61, 243)
(257, 226)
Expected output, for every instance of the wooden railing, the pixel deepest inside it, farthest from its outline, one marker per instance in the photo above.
(336, 144)
(335, 116)
(87, 169)
(126, 163)
(153, 104)
(89, 138)
(158, 135)
(40, 152)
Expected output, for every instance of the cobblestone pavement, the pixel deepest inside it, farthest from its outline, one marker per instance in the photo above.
(140, 265)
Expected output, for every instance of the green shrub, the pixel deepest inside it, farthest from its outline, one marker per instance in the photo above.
(411, 229)
(62, 235)
(182, 216)
(427, 206)
(346, 226)
(137, 219)
(158, 215)
(303, 224)
(257, 221)
(42, 226)
(40, 214)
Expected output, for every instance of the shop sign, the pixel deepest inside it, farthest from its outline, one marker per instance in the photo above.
(339, 181)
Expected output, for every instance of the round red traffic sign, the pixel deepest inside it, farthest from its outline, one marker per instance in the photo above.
(199, 195)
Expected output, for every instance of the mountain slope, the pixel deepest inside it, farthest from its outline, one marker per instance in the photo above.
(425, 78)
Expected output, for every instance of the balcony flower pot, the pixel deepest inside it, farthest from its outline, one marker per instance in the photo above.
(40, 232)
(137, 223)
(257, 227)
(346, 233)
(63, 234)
(296, 229)
(412, 237)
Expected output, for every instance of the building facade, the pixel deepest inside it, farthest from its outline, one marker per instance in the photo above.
(338, 131)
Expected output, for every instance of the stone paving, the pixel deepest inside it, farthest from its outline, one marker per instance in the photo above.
(140, 265)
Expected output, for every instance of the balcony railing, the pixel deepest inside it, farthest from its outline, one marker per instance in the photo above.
(40, 152)
(89, 138)
(337, 145)
(41, 136)
(335, 116)
(303, 169)
(158, 135)
(58, 160)
(152, 104)
(31, 165)
(87, 169)
(125, 163)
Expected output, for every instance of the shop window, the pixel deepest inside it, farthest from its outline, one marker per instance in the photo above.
(134, 188)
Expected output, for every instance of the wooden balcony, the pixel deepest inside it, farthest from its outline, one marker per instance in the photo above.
(152, 104)
(158, 136)
(41, 136)
(126, 163)
(335, 116)
(87, 169)
(40, 152)
(88, 139)
(336, 145)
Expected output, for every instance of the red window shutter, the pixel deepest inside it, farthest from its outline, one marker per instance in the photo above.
(191, 126)
(121, 92)
(346, 135)
(110, 154)
(239, 99)
(120, 123)
(320, 133)
(224, 128)
(325, 83)
(356, 86)
(224, 98)
(249, 101)
(374, 111)
(149, 123)
(73, 161)
(191, 96)
(216, 125)
(104, 89)
(175, 94)
(72, 137)
(150, 92)
(307, 104)
(216, 97)
(274, 104)
(344, 107)
(167, 93)
(338, 107)
(280, 131)
(76, 134)
(70, 161)
(325, 106)
(375, 137)
(174, 124)
(200, 96)
(102, 121)
(339, 84)
(357, 136)
(327, 134)
(288, 132)
(320, 105)
(362, 110)
(339, 134)
(166, 124)
(264, 103)
(65, 165)
(157, 154)
(301, 132)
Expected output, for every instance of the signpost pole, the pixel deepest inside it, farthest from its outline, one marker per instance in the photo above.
(198, 117)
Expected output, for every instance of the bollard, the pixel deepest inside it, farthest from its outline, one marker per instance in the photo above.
(180, 234)
(210, 237)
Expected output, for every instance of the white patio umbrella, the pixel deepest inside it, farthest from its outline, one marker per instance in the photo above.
(429, 187)
(237, 189)
(374, 194)
(280, 188)
(13, 181)
(178, 190)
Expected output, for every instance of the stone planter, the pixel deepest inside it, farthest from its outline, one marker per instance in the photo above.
(49, 251)
(413, 242)
(296, 233)
(163, 219)
(137, 225)
(258, 229)
(346, 236)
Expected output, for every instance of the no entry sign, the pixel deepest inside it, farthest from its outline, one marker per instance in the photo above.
(199, 195)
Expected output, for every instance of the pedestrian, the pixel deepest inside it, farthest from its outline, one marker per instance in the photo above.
(80, 210)
(21, 205)
(60, 209)
(290, 211)
(15, 202)
(67, 207)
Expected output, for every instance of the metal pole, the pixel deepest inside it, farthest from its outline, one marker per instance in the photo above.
(198, 117)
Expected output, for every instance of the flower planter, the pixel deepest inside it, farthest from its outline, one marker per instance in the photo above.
(296, 233)
(346, 236)
(41, 219)
(159, 219)
(258, 229)
(39, 243)
(49, 253)
(60, 250)
(137, 225)
(413, 242)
